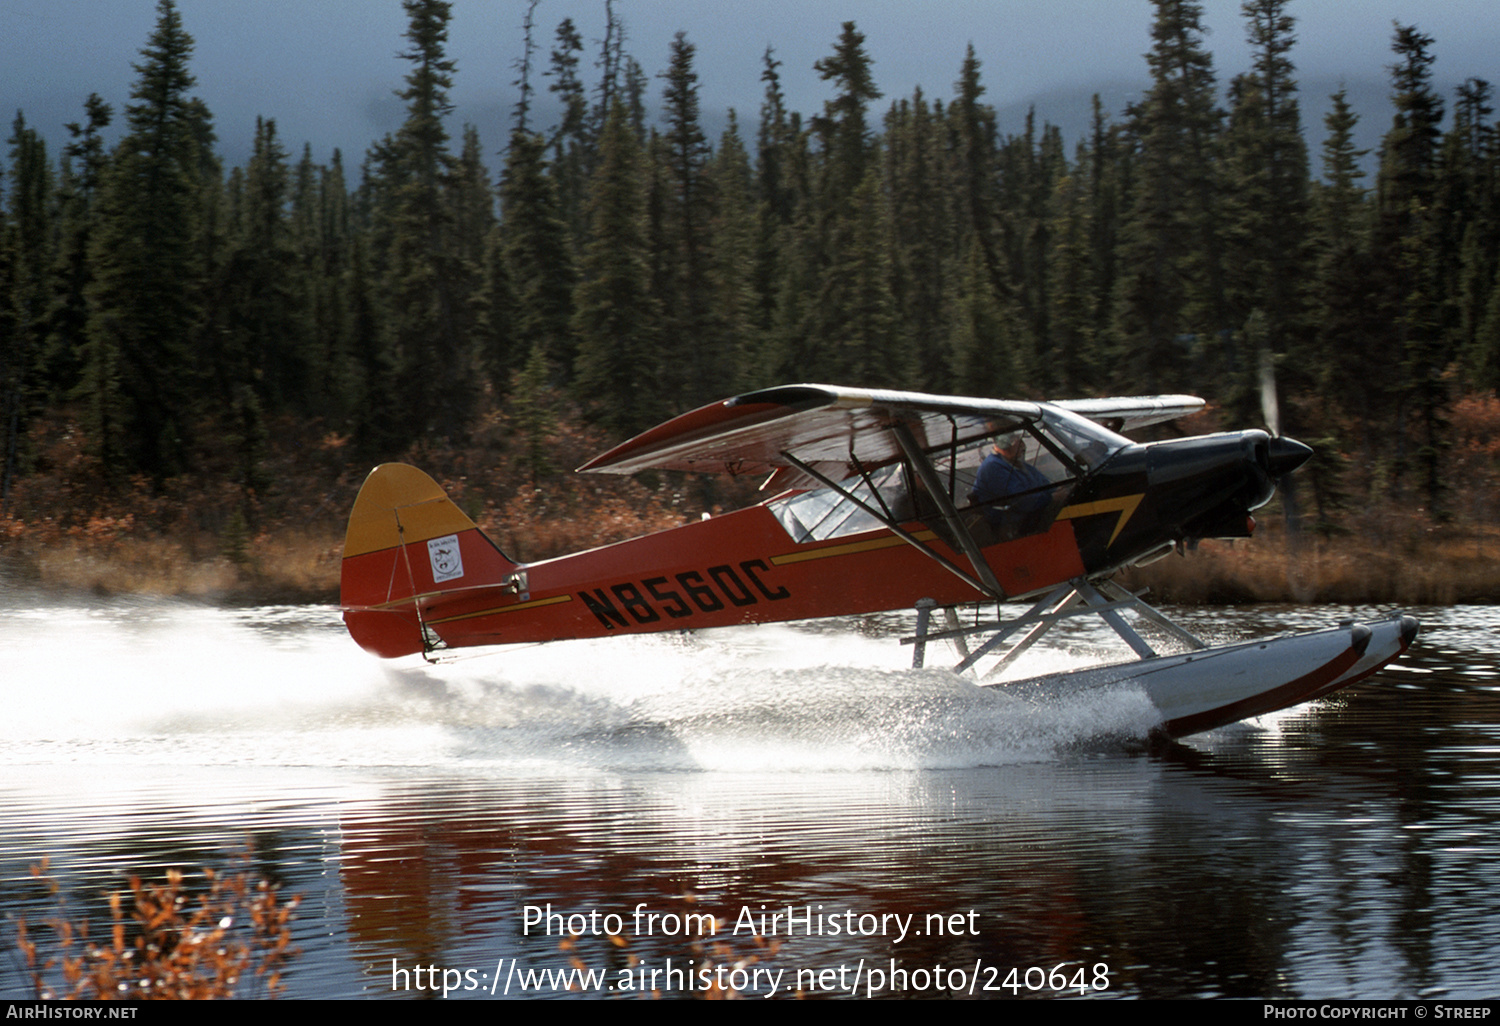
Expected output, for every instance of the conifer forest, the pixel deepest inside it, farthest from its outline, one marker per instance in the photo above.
(185, 344)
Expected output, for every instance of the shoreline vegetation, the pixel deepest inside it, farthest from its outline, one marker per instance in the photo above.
(66, 533)
(68, 529)
(1403, 561)
(1390, 560)
(1417, 565)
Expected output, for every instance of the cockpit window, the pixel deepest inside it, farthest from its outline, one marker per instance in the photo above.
(1042, 460)
(824, 513)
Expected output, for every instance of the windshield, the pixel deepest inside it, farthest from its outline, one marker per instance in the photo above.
(1088, 443)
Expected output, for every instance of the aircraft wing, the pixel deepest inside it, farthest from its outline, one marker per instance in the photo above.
(1131, 412)
(822, 425)
(825, 425)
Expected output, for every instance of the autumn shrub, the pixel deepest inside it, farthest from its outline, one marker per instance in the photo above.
(1383, 558)
(165, 941)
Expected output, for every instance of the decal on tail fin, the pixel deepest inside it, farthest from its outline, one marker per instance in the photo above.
(407, 546)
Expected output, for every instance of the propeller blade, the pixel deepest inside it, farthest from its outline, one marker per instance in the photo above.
(1270, 408)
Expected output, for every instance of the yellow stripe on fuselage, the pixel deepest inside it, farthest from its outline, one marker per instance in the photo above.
(1124, 506)
(850, 549)
(533, 604)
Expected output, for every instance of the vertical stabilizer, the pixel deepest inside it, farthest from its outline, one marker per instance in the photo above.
(407, 545)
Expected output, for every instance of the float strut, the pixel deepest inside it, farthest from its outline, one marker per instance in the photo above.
(924, 616)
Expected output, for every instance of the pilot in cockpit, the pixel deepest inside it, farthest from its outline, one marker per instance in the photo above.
(1003, 473)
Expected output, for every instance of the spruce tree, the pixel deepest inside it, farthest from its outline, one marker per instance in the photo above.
(83, 165)
(523, 65)
(427, 284)
(690, 326)
(922, 235)
(984, 343)
(776, 145)
(496, 317)
(1069, 286)
(1340, 199)
(1029, 169)
(1468, 214)
(139, 372)
(326, 252)
(847, 332)
(1344, 382)
(1343, 278)
(620, 362)
(308, 286)
(374, 385)
(1266, 203)
(258, 326)
(571, 143)
(537, 263)
(853, 316)
(988, 235)
(1170, 289)
(1108, 177)
(734, 233)
(1407, 244)
(843, 127)
(27, 239)
(774, 140)
(976, 148)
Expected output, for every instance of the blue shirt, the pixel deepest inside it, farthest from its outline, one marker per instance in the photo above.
(998, 477)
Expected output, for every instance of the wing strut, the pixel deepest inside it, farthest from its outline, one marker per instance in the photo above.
(939, 495)
(993, 592)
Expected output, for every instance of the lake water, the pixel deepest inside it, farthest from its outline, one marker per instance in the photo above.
(854, 826)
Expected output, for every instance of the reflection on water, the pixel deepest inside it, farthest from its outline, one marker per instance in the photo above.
(1341, 851)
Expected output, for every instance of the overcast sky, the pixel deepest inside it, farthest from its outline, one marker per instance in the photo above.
(326, 70)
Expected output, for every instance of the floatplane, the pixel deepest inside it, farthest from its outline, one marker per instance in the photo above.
(883, 500)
